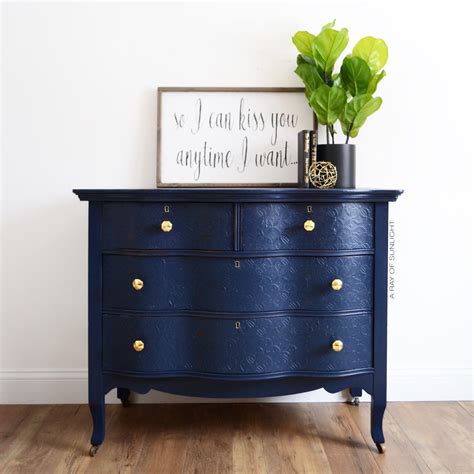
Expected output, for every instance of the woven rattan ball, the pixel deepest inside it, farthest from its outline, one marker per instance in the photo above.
(323, 174)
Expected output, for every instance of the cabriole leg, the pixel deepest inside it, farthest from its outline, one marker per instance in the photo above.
(123, 395)
(97, 408)
(379, 395)
(376, 423)
(96, 391)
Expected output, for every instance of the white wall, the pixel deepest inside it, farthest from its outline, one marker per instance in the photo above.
(79, 110)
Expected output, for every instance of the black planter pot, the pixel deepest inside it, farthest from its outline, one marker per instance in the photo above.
(343, 158)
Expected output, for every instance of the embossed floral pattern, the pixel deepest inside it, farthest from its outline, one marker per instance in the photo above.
(259, 284)
(280, 226)
(261, 345)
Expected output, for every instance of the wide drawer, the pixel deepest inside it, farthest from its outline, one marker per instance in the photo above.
(200, 226)
(228, 346)
(249, 284)
(337, 226)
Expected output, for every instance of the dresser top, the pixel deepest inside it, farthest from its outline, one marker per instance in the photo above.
(239, 195)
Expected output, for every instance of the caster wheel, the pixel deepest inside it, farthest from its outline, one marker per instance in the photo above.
(125, 403)
(380, 448)
(93, 451)
(355, 401)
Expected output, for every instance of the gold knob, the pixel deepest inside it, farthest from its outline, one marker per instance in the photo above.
(137, 284)
(309, 225)
(166, 226)
(337, 346)
(138, 345)
(336, 284)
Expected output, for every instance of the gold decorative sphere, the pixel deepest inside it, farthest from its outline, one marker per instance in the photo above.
(323, 174)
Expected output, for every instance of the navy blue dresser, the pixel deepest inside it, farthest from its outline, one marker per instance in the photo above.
(237, 293)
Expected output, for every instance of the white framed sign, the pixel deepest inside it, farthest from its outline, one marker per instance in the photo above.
(230, 136)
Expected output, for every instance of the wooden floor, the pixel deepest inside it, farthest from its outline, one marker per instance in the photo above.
(238, 438)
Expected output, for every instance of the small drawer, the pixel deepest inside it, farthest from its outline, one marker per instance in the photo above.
(248, 284)
(201, 226)
(295, 226)
(190, 344)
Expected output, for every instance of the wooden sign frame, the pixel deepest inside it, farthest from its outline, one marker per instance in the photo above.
(224, 90)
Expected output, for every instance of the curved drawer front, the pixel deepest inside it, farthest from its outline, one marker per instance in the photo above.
(258, 346)
(226, 285)
(281, 226)
(202, 226)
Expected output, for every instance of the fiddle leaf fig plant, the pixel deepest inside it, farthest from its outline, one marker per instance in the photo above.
(345, 96)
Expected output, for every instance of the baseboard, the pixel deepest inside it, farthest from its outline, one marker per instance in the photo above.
(70, 386)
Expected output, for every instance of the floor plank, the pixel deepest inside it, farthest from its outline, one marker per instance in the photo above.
(400, 455)
(167, 429)
(238, 438)
(22, 443)
(52, 442)
(342, 440)
(440, 432)
(13, 418)
(270, 426)
(468, 406)
(72, 441)
(247, 445)
(125, 429)
(299, 445)
(209, 444)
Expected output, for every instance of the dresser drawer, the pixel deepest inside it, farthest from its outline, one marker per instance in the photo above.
(221, 346)
(281, 226)
(249, 284)
(200, 226)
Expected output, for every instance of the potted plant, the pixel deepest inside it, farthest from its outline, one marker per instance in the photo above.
(346, 96)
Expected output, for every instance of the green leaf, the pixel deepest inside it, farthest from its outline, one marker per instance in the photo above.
(328, 26)
(372, 50)
(310, 76)
(375, 81)
(336, 79)
(328, 46)
(303, 41)
(328, 103)
(357, 111)
(300, 59)
(356, 75)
